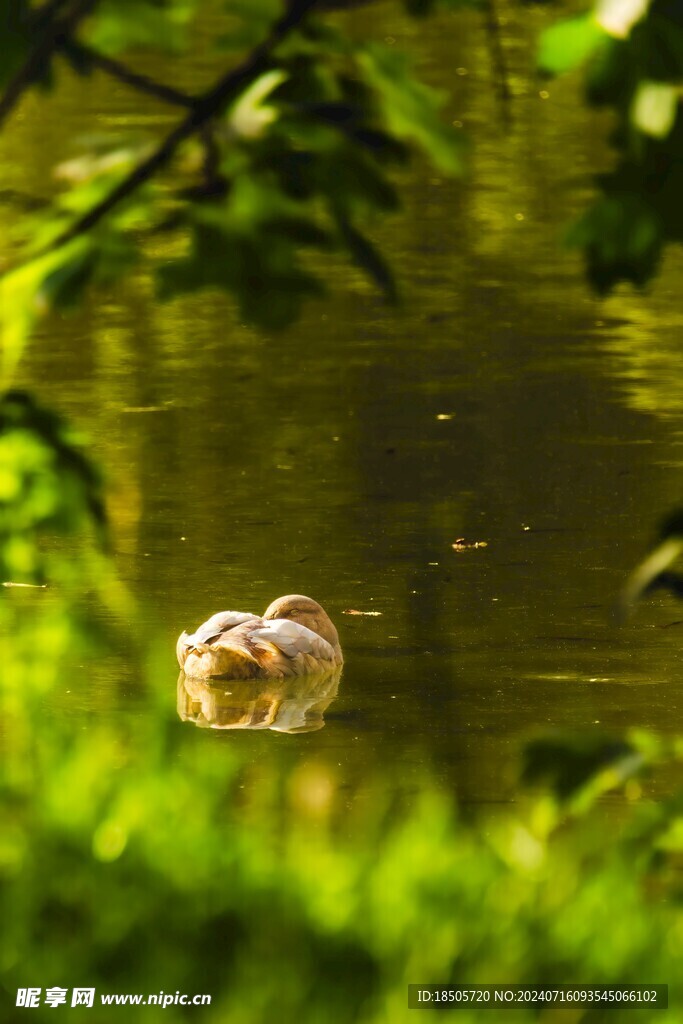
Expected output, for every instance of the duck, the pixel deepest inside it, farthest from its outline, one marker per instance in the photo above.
(294, 637)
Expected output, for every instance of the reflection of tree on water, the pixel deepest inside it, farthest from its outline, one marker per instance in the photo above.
(283, 705)
(653, 572)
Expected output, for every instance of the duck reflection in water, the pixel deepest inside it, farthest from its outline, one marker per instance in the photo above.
(293, 705)
(294, 637)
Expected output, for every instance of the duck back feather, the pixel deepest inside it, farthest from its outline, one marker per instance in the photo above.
(295, 637)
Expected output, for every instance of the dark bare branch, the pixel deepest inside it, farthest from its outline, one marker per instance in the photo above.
(207, 106)
(50, 27)
(143, 83)
(498, 61)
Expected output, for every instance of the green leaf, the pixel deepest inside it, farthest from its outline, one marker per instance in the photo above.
(569, 44)
(354, 180)
(249, 116)
(22, 303)
(120, 25)
(654, 108)
(368, 258)
(63, 286)
(410, 108)
(422, 8)
(58, 278)
(250, 22)
(618, 17)
(16, 37)
(578, 768)
(252, 256)
(656, 42)
(622, 236)
(47, 485)
(98, 258)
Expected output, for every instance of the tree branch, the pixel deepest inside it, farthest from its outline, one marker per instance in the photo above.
(205, 107)
(79, 51)
(498, 61)
(51, 28)
(212, 160)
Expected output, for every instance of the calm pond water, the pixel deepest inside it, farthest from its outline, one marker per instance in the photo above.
(502, 403)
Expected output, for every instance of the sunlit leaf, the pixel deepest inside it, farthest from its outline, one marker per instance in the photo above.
(654, 109)
(617, 17)
(18, 302)
(21, 303)
(569, 44)
(47, 486)
(120, 25)
(249, 116)
(58, 279)
(410, 108)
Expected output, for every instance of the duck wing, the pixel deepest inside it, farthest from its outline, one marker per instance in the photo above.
(221, 622)
(213, 629)
(291, 638)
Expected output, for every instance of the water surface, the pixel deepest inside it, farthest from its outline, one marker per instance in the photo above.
(501, 403)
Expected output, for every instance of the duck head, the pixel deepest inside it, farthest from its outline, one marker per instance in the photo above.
(306, 612)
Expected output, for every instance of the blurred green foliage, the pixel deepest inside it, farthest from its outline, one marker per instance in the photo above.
(49, 489)
(138, 854)
(60, 592)
(290, 149)
(632, 54)
(295, 144)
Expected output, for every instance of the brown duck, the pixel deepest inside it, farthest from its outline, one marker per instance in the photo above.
(294, 637)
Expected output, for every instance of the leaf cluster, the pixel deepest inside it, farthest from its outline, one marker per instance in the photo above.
(633, 60)
(291, 150)
(130, 857)
(49, 489)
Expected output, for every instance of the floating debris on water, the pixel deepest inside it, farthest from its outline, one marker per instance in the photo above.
(463, 545)
(354, 611)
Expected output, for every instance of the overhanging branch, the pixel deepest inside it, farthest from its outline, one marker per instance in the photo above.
(205, 108)
(50, 27)
(143, 83)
